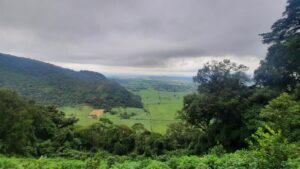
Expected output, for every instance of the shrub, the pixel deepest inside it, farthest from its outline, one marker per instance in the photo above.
(8, 164)
(217, 150)
(157, 165)
(187, 162)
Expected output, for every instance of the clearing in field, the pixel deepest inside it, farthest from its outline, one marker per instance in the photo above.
(96, 113)
(81, 112)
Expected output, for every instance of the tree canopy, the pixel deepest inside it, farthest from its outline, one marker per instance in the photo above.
(281, 68)
(287, 26)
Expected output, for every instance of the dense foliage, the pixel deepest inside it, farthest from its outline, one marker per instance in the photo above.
(28, 129)
(281, 68)
(242, 159)
(287, 26)
(225, 108)
(283, 109)
(49, 84)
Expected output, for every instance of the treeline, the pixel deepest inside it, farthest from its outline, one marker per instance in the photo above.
(161, 84)
(49, 84)
(30, 130)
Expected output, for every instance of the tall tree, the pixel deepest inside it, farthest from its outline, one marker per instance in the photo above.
(281, 67)
(220, 103)
(285, 27)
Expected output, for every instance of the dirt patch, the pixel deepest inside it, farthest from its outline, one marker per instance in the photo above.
(96, 113)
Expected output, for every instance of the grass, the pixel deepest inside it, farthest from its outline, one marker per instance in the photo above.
(81, 112)
(163, 107)
(140, 117)
(160, 105)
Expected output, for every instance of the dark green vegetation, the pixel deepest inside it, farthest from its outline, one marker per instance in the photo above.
(28, 129)
(281, 67)
(226, 124)
(239, 160)
(49, 84)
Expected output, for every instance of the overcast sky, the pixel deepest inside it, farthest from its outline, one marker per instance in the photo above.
(163, 37)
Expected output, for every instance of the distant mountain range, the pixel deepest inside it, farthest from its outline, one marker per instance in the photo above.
(50, 84)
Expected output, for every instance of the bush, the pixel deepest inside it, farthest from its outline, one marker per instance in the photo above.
(293, 164)
(217, 150)
(157, 165)
(187, 162)
(126, 115)
(8, 164)
(126, 165)
(273, 147)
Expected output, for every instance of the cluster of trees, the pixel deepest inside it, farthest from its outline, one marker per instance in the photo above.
(225, 108)
(127, 115)
(29, 129)
(228, 109)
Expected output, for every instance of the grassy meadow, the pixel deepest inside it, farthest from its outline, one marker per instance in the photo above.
(160, 106)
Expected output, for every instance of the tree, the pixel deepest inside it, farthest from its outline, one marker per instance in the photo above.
(281, 67)
(104, 135)
(182, 136)
(16, 130)
(220, 103)
(216, 76)
(285, 27)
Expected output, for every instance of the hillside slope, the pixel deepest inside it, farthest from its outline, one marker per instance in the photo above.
(47, 83)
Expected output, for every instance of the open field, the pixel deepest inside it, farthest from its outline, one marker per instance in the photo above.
(160, 106)
(81, 112)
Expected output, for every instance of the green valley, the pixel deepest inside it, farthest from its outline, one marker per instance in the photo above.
(160, 105)
(182, 86)
(50, 84)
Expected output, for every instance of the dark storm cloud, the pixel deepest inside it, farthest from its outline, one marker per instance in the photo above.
(142, 33)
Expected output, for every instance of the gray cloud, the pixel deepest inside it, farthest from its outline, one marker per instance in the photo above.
(135, 33)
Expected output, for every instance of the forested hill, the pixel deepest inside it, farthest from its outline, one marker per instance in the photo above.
(50, 84)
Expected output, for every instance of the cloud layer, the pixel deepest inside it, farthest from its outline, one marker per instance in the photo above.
(142, 34)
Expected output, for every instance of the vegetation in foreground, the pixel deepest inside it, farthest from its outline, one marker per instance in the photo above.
(227, 124)
(242, 159)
